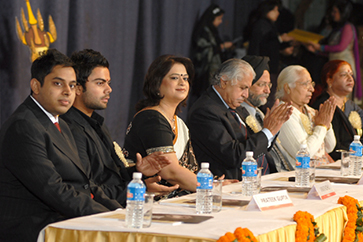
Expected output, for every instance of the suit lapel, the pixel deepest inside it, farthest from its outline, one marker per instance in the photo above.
(238, 133)
(63, 141)
(94, 137)
(243, 113)
(73, 154)
(113, 154)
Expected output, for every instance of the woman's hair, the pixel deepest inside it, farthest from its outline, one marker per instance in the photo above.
(155, 75)
(289, 75)
(260, 12)
(207, 19)
(329, 69)
(345, 8)
(232, 70)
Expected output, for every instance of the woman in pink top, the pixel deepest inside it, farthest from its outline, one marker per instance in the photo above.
(342, 42)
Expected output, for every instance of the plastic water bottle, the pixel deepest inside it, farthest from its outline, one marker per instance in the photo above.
(356, 157)
(204, 201)
(249, 175)
(302, 171)
(135, 202)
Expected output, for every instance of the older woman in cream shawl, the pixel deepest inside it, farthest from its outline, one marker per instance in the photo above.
(306, 125)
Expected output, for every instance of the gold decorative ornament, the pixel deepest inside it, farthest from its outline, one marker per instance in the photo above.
(356, 121)
(164, 149)
(343, 106)
(252, 122)
(120, 154)
(34, 36)
(306, 123)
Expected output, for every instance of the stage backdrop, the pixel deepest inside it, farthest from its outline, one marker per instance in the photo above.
(129, 33)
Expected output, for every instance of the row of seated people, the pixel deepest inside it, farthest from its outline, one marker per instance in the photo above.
(55, 172)
(51, 170)
(225, 121)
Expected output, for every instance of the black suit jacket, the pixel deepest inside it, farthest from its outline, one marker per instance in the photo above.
(41, 177)
(217, 138)
(107, 170)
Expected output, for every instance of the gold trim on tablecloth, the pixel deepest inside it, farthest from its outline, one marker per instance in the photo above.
(286, 233)
(334, 218)
(66, 235)
(330, 223)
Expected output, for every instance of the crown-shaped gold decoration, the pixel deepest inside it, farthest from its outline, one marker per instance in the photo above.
(356, 121)
(34, 36)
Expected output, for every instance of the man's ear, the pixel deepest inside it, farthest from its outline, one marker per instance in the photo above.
(35, 85)
(79, 89)
(223, 83)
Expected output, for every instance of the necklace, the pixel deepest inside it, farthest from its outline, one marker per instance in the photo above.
(304, 116)
(343, 106)
(171, 121)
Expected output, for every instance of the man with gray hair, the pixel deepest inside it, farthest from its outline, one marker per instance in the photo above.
(217, 127)
(257, 96)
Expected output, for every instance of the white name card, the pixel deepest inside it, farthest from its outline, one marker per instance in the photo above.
(270, 200)
(322, 190)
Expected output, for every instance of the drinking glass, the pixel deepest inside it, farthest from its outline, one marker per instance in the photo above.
(345, 167)
(258, 184)
(312, 172)
(217, 195)
(148, 207)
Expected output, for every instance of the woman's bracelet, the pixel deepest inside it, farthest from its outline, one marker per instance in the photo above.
(323, 126)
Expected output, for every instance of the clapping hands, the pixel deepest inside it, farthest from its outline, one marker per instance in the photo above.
(325, 114)
(277, 116)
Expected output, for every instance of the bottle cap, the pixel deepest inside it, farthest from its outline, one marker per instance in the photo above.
(137, 175)
(303, 146)
(356, 137)
(204, 165)
(249, 153)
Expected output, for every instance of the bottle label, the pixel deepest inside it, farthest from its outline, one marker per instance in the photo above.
(249, 170)
(136, 193)
(303, 162)
(357, 149)
(206, 182)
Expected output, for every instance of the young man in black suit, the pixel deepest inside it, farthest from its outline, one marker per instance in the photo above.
(42, 179)
(94, 142)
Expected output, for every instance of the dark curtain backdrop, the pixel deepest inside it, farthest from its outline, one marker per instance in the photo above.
(129, 33)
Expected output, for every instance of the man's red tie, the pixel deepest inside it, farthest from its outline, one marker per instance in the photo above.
(58, 127)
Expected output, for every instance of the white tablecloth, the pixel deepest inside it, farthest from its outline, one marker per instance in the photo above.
(229, 218)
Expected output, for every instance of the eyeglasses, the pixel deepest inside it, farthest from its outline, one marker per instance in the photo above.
(307, 84)
(264, 84)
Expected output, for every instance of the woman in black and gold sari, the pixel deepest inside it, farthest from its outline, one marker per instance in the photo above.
(337, 76)
(156, 127)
